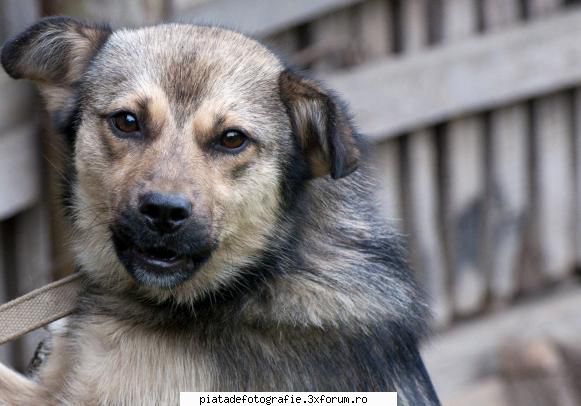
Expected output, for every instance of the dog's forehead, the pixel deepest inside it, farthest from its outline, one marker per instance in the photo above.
(186, 61)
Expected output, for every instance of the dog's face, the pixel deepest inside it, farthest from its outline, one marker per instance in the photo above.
(185, 139)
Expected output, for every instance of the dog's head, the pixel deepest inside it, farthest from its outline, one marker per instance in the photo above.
(187, 144)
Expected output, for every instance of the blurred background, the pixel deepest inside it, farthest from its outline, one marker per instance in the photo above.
(474, 109)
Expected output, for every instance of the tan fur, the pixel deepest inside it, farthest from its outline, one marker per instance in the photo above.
(132, 343)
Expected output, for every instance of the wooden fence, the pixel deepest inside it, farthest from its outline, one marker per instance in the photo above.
(473, 105)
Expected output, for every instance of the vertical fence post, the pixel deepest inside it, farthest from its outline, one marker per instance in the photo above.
(507, 196)
(422, 183)
(28, 231)
(464, 177)
(554, 197)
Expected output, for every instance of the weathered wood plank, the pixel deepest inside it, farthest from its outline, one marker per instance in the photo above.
(116, 13)
(422, 185)
(16, 15)
(577, 146)
(375, 32)
(458, 358)
(507, 195)
(4, 350)
(333, 34)
(386, 159)
(33, 265)
(552, 122)
(501, 14)
(371, 27)
(261, 17)
(424, 223)
(465, 181)
(15, 95)
(19, 170)
(460, 19)
(415, 35)
(507, 199)
(19, 156)
(285, 43)
(543, 8)
(394, 96)
(464, 189)
(180, 6)
(554, 194)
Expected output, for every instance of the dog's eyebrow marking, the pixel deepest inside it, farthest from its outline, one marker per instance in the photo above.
(208, 119)
(156, 105)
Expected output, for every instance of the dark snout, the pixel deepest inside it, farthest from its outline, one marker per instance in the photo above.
(165, 213)
(163, 239)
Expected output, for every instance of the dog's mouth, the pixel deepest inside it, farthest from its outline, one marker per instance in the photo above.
(160, 265)
(160, 257)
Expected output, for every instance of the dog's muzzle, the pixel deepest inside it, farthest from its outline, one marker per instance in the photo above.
(160, 242)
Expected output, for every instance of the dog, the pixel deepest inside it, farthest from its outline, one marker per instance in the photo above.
(223, 217)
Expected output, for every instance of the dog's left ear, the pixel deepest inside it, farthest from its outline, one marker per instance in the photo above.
(321, 125)
(54, 52)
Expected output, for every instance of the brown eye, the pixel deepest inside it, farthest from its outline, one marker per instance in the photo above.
(233, 140)
(125, 122)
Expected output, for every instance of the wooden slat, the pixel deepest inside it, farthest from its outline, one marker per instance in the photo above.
(465, 182)
(552, 117)
(553, 191)
(179, 6)
(465, 188)
(577, 146)
(421, 185)
(133, 13)
(460, 19)
(261, 17)
(507, 196)
(386, 159)
(285, 43)
(458, 358)
(415, 25)
(372, 27)
(19, 170)
(375, 37)
(424, 224)
(32, 259)
(15, 94)
(543, 8)
(16, 15)
(499, 15)
(333, 34)
(4, 350)
(19, 167)
(390, 97)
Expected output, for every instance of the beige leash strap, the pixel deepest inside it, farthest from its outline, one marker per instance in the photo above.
(39, 307)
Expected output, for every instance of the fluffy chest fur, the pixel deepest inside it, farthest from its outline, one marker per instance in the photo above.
(111, 364)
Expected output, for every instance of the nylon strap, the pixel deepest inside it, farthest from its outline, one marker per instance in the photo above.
(39, 307)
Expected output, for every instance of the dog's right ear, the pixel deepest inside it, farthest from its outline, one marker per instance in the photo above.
(54, 52)
(321, 125)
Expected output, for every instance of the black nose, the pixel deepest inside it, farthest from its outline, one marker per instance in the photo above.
(165, 213)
